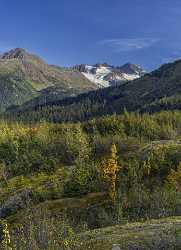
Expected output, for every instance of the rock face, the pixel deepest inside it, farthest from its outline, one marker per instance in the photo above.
(15, 202)
(105, 75)
(116, 247)
(14, 54)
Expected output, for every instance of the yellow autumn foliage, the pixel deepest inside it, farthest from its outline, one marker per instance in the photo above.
(109, 169)
(174, 177)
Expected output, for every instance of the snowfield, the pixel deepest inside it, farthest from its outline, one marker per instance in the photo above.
(105, 76)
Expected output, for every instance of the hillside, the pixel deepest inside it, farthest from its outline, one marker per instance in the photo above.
(24, 76)
(55, 194)
(158, 90)
(153, 235)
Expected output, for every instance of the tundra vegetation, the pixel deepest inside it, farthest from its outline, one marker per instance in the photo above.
(110, 180)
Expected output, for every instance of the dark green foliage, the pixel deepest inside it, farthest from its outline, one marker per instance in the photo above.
(56, 165)
(83, 180)
(159, 90)
(31, 156)
(43, 147)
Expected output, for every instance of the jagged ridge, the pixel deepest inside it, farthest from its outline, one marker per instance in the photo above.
(105, 75)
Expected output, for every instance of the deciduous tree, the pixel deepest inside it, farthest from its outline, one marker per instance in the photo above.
(109, 169)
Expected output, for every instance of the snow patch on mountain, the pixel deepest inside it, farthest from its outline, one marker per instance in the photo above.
(97, 74)
(104, 75)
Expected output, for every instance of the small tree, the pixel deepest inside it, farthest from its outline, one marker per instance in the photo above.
(3, 173)
(174, 177)
(6, 240)
(109, 169)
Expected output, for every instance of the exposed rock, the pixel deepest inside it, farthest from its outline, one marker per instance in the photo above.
(14, 203)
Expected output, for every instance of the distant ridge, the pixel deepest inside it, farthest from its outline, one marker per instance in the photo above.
(155, 91)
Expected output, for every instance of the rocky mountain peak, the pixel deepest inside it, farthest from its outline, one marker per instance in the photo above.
(104, 75)
(17, 53)
(22, 55)
(130, 68)
(99, 65)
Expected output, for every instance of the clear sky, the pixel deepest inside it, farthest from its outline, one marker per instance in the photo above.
(68, 32)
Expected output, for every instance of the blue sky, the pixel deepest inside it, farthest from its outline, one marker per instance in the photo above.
(68, 32)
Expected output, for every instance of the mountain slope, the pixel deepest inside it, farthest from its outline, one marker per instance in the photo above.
(24, 76)
(104, 75)
(159, 90)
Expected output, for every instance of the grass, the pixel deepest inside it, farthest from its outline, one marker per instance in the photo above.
(40, 183)
(59, 206)
(39, 86)
(154, 234)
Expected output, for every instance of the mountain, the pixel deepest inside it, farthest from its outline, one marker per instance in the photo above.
(158, 90)
(105, 75)
(24, 76)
